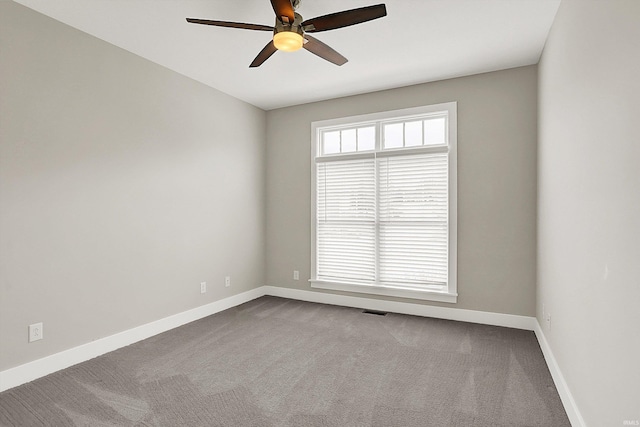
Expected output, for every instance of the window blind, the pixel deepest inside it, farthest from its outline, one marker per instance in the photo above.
(346, 227)
(384, 220)
(413, 218)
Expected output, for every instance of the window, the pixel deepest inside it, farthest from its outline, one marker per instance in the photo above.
(384, 203)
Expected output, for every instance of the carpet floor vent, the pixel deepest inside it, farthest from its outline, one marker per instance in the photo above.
(376, 312)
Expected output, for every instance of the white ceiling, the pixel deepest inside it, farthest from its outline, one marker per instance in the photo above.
(418, 41)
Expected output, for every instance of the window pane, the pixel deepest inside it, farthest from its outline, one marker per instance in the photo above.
(413, 254)
(331, 142)
(366, 138)
(346, 251)
(348, 141)
(434, 131)
(393, 135)
(412, 134)
(413, 188)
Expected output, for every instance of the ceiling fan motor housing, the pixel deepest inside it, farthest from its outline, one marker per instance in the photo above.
(294, 26)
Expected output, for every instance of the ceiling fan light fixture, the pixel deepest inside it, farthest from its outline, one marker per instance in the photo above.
(288, 41)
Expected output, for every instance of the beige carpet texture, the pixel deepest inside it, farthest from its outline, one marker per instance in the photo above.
(280, 362)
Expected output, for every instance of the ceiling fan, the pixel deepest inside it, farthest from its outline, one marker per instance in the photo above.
(290, 31)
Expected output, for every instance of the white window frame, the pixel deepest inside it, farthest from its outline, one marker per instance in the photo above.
(449, 294)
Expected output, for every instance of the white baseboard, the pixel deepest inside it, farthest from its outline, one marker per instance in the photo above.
(39, 368)
(561, 385)
(484, 317)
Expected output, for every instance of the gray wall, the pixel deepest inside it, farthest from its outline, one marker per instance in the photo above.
(122, 186)
(496, 184)
(589, 204)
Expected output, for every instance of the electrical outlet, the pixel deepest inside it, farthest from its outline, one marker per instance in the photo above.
(296, 275)
(548, 319)
(203, 287)
(35, 332)
(227, 281)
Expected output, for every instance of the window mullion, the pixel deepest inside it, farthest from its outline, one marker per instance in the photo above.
(378, 144)
(377, 221)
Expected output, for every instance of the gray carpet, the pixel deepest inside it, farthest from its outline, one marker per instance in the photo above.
(279, 362)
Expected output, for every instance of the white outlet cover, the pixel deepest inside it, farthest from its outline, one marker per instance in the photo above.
(203, 287)
(227, 281)
(36, 332)
(296, 275)
(548, 321)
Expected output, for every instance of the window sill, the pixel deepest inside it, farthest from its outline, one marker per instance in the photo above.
(391, 291)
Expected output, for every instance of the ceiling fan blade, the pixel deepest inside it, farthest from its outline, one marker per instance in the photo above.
(240, 25)
(316, 47)
(264, 54)
(283, 8)
(344, 18)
